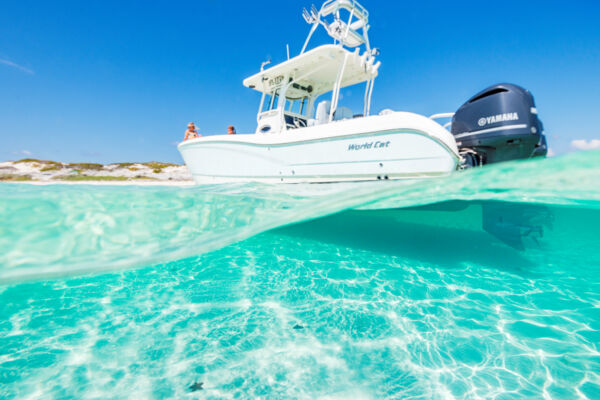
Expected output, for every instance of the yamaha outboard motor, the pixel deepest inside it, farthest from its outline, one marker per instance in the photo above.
(498, 124)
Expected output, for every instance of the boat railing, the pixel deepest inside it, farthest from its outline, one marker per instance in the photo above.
(341, 31)
(443, 116)
(331, 6)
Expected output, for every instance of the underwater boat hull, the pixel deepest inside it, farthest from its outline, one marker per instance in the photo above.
(393, 146)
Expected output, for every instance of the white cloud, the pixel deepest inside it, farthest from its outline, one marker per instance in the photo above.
(17, 66)
(581, 144)
(22, 153)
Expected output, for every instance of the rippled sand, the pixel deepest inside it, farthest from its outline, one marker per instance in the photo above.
(484, 285)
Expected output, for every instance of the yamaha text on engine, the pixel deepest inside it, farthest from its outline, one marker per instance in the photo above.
(498, 124)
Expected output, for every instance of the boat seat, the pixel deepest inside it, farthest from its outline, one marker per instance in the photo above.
(340, 31)
(322, 114)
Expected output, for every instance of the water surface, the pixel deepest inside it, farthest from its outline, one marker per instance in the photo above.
(485, 284)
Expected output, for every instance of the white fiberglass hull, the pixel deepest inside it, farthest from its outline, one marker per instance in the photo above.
(393, 146)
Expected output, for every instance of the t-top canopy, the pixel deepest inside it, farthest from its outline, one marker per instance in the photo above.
(316, 72)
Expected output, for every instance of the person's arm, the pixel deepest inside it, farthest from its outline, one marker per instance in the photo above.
(187, 133)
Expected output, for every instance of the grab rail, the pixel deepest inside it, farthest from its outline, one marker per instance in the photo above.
(347, 4)
(442, 115)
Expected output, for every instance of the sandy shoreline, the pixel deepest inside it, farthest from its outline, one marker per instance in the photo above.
(109, 183)
(42, 172)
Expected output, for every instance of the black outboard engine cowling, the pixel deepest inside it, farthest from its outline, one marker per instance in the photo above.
(498, 124)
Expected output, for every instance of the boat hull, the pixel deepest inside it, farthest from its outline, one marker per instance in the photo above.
(345, 152)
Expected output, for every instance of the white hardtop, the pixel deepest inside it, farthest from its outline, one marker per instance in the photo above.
(316, 72)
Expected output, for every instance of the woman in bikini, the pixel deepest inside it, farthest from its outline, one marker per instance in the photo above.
(191, 132)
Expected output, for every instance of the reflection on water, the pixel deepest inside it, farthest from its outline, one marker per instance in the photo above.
(497, 234)
(519, 227)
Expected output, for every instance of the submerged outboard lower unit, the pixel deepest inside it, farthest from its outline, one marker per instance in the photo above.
(498, 124)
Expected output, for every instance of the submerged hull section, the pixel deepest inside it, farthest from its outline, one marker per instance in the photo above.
(396, 146)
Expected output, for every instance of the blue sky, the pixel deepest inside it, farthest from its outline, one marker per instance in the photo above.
(109, 81)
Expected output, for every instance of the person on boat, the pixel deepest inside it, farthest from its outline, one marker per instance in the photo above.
(191, 132)
(230, 130)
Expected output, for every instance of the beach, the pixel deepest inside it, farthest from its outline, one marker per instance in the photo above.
(45, 172)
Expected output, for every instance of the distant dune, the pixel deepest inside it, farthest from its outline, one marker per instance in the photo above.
(44, 171)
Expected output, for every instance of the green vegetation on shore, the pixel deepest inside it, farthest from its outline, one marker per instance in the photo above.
(123, 164)
(81, 172)
(77, 178)
(14, 178)
(80, 178)
(51, 168)
(86, 166)
(55, 165)
(33, 160)
(157, 167)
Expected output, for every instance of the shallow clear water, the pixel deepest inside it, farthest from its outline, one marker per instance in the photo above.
(485, 284)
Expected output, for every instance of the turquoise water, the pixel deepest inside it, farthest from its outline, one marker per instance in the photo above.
(485, 284)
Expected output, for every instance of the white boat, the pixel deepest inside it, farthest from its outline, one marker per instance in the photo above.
(303, 133)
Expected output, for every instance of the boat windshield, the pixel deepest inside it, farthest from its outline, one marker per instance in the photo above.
(270, 101)
(297, 106)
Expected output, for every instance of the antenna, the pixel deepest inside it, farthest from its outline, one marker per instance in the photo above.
(314, 12)
(312, 16)
(287, 47)
(262, 66)
(307, 16)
